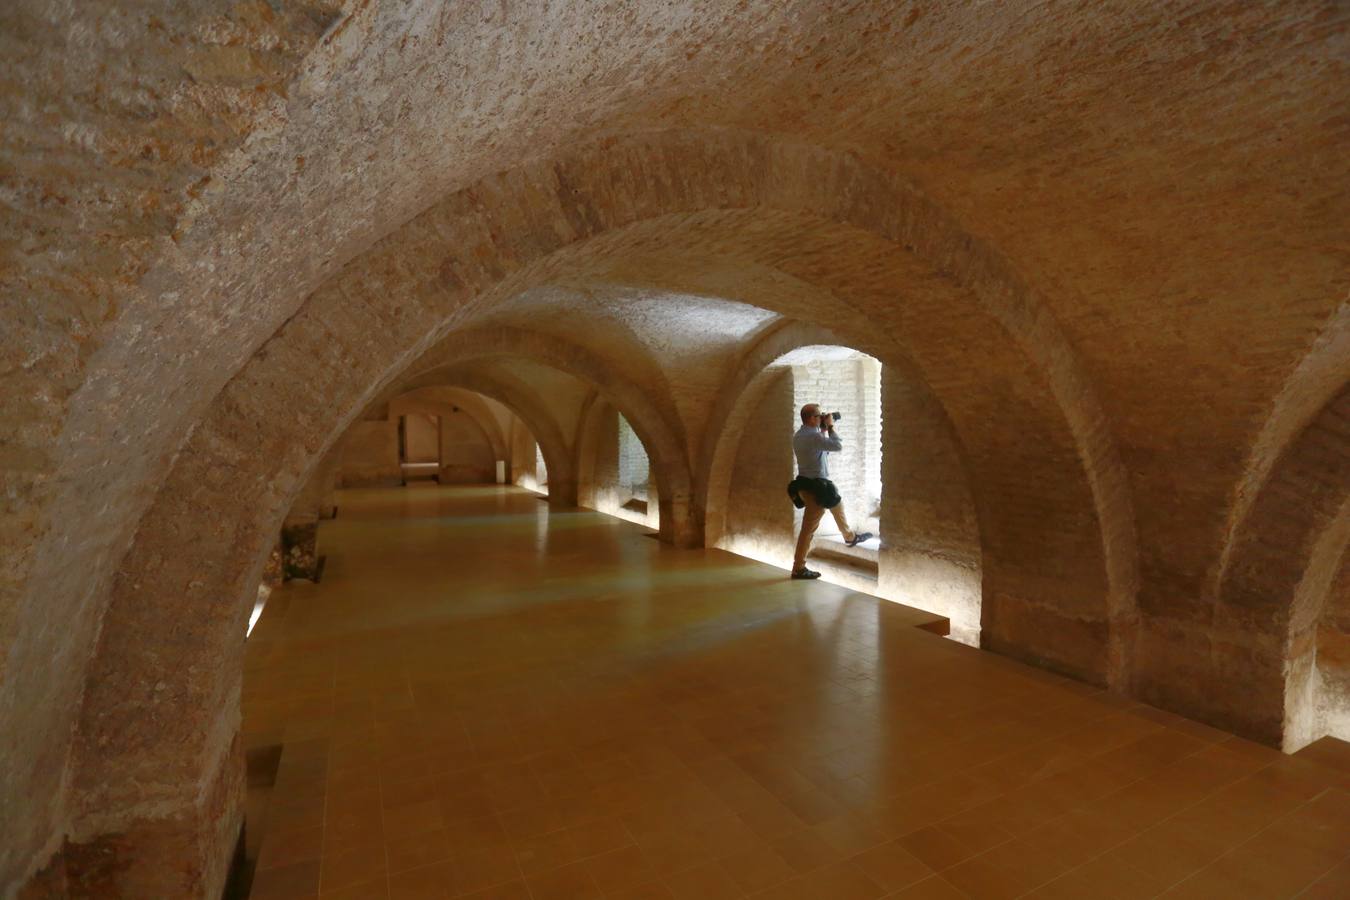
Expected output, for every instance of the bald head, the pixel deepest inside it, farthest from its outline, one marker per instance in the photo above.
(810, 411)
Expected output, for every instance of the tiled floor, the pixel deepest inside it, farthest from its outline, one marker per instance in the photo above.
(485, 699)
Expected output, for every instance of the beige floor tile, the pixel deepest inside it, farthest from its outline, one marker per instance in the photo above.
(298, 881)
(850, 833)
(932, 888)
(286, 847)
(412, 819)
(1334, 884)
(430, 882)
(936, 847)
(708, 881)
(419, 850)
(652, 891)
(592, 710)
(573, 882)
(485, 867)
(1017, 861)
(892, 866)
(805, 850)
(546, 851)
(512, 890)
(621, 869)
(1172, 850)
(1104, 878)
(351, 866)
(839, 881)
(987, 879)
(726, 835)
(374, 889)
(672, 850)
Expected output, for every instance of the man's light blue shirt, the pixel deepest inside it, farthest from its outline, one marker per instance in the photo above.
(810, 444)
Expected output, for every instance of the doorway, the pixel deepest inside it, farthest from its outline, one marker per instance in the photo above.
(419, 447)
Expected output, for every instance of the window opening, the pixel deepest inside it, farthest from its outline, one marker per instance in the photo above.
(849, 382)
(634, 469)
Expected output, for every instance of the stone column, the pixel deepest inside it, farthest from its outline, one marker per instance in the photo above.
(562, 490)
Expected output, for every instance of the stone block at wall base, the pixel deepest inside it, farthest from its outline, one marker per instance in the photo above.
(187, 854)
(931, 582)
(1188, 671)
(1044, 637)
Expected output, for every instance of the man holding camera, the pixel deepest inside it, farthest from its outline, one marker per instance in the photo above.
(812, 488)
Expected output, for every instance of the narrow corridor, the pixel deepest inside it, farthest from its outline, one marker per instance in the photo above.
(488, 698)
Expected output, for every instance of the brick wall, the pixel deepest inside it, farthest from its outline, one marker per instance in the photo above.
(760, 520)
(540, 467)
(618, 471)
(466, 454)
(634, 466)
(370, 454)
(1212, 325)
(930, 555)
(524, 456)
(1332, 678)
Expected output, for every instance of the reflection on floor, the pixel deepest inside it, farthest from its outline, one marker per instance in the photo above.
(488, 699)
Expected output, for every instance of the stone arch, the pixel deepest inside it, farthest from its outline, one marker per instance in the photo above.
(742, 387)
(1275, 590)
(939, 573)
(472, 406)
(155, 755)
(1322, 370)
(447, 410)
(519, 398)
(655, 422)
(1021, 449)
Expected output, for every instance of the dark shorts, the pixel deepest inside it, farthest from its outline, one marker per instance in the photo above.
(823, 489)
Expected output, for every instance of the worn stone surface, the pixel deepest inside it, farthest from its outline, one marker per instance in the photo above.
(1109, 243)
(299, 548)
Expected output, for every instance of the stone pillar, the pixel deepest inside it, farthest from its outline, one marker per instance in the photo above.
(182, 851)
(681, 524)
(318, 498)
(562, 490)
(930, 554)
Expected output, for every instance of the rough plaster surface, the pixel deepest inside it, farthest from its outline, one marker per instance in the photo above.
(229, 227)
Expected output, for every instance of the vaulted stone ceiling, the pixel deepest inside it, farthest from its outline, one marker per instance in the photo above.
(1113, 235)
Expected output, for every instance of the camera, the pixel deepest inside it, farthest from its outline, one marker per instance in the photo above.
(837, 416)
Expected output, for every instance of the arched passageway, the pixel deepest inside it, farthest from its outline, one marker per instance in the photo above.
(250, 220)
(1080, 530)
(909, 473)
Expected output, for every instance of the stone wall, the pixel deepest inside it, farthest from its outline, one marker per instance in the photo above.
(467, 456)
(228, 226)
(930, 551)
(525, 457)
(603, 464)
(761, 521)
(1332, 701)
(634, 466)
(618, 469)
(369, 452)
(421, 437)
(317, 499)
